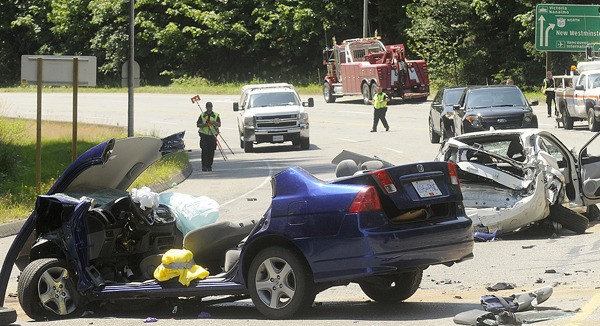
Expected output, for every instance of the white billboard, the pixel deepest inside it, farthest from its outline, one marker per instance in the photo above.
(58, 70)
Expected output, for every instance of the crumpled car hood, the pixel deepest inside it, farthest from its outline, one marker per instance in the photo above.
(116, 163)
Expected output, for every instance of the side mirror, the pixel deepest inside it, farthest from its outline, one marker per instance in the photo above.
(457, 107)
(310, 103)
(236, 106)
(579, 87)
(535, 102)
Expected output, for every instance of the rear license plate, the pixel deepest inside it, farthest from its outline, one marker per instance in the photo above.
(426, 188)
(278, 138)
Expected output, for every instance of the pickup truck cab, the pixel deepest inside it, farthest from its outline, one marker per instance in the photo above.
(577, 96)
(272, 113)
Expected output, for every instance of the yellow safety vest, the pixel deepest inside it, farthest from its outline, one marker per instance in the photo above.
(212, 129)
(379, 102)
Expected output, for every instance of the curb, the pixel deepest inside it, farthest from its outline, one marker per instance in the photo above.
(11, 228)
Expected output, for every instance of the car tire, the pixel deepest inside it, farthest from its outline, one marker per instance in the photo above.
(434, 138)
(593, 125)
(41, 283)
(592, 213)
(293, 291)
(328, 93)
(393, 288)
(248, 146)
(569, 219)
(366, 93)
(304, 143)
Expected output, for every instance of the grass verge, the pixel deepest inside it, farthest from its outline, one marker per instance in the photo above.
(18, 190)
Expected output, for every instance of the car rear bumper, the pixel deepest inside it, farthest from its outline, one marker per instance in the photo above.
(379, 253)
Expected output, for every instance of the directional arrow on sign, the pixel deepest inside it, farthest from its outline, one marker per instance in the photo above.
(550, 26)
(542, 20)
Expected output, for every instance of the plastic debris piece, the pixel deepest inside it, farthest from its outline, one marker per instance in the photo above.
(482, 236)
(204, 314)
(150, 320)
(501, 286)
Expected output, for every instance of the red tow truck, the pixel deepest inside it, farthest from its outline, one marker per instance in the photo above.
(360, 65)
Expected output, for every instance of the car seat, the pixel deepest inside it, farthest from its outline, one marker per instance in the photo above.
(346, 168)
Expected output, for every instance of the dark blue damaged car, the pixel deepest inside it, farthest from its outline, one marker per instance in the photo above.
(88, 241)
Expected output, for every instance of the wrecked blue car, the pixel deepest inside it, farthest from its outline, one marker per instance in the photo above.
(88, 240)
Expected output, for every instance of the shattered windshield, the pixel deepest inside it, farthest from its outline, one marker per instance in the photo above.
(495, 97)
(273, 99)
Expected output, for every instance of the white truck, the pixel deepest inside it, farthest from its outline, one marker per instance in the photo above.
(272, 113)
(577, 96)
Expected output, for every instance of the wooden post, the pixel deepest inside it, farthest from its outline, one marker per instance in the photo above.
(38, 141)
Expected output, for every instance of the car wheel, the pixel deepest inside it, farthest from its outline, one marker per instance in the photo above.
(46, 290)
(248, 146)
(569, 219)
(593, 125)
(280, 283)
(242, 142)
(592, 213)
(328, 93)
(304, 143)
(393, 288)
(433, 137)
(366, 93)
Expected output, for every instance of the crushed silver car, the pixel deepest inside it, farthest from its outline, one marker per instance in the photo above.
(512, 179)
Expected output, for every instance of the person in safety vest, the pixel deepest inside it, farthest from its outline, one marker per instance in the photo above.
(380, 102)
(548, 90)
(208, 128)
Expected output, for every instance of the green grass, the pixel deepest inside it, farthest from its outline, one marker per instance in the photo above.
(18, 189)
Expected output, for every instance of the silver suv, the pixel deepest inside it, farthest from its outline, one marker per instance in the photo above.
(272, 113)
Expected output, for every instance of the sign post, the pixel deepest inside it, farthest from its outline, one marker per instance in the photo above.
(567, 28)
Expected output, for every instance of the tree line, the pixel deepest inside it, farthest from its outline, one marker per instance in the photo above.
(222, 41)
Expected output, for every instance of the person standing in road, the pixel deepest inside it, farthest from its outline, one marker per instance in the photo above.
(548, 90)
(208, 128)
(380, 102)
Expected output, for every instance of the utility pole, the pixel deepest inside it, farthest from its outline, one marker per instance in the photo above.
(365, 14)
(130, 70)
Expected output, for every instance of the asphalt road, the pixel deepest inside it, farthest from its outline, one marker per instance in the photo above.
(530, 260)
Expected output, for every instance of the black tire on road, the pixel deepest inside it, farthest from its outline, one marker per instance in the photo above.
(566, 119)
(304, 143)
(7, 316)
(393, 288)
(569, 219)
(328, 93)
(46, 290)
(434, 138)
(248, 146)
(592, 213)
(280, 283)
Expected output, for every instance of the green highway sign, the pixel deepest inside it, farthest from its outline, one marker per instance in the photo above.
(568, 28)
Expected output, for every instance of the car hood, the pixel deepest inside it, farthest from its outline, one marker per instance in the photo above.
(116, 163)
(499, 111)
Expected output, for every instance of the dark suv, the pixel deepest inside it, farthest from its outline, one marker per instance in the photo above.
(493, 107)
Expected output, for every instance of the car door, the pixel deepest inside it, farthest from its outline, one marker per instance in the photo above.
(436, 111)
(579, 97)
(589, 170)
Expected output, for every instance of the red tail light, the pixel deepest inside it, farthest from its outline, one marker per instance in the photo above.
(453, 173)
(366, 200)
(385, 180)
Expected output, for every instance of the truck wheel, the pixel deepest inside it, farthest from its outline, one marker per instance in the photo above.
(248, 146)
(393, 288)
(593, 125)
(304, 143)
(566, 119)
(374, 91)
(433, 137)
(328, 93)
(569, 219)
(242, 142)
(366, 93)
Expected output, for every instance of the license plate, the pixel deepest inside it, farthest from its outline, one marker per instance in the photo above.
(426, 188)
(278, 138)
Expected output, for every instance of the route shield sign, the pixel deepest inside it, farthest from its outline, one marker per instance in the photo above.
(568, 28)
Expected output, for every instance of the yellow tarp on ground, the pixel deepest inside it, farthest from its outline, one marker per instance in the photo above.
(179, 263)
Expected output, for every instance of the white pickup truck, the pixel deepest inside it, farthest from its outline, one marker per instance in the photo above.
(272, 113)
(577, 96)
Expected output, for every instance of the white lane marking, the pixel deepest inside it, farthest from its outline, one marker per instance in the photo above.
(348, 140)
(267, 179)
(356, 112)
(394, 150)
